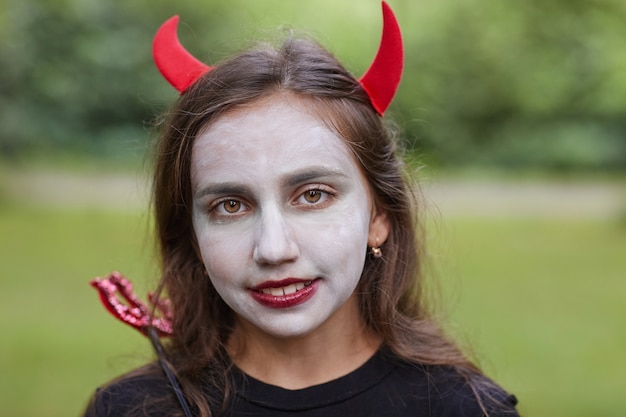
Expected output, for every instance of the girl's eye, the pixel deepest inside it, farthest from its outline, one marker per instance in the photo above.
(231, 206)
(313, 196)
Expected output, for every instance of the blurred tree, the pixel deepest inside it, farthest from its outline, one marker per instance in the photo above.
(514, 84)
(76, 72)
(518, 84)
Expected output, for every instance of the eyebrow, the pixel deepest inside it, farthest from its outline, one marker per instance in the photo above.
(312, 174)
(221, 189)
(291, 180)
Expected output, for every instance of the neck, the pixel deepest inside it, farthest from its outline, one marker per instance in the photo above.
(339, 346)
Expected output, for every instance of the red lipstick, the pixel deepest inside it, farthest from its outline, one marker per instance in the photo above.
(285, 293)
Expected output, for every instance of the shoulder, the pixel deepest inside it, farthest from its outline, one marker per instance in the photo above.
(451, 392)
(455, 394)
(143, 392)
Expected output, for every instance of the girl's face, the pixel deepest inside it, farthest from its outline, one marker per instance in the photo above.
(283, 216)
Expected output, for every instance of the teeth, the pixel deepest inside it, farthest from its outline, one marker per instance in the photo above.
(276, 291)
(289, 289)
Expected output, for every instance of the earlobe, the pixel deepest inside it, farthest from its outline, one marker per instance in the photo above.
(379, 229)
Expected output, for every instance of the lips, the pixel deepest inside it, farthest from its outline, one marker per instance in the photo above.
(284, 293)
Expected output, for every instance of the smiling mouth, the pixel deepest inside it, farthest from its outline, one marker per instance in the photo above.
(286, 290)
(286, 293)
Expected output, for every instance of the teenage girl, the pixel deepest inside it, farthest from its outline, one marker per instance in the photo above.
(290, 251)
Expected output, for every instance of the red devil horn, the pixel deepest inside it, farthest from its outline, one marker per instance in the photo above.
(381, 80)
(179, 67)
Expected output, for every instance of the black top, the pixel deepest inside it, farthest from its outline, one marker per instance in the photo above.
(383, 386)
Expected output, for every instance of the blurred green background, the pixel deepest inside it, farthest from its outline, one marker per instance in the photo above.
(518, 109)
(487, 82)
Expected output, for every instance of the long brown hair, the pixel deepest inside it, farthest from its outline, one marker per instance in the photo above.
(391, 296)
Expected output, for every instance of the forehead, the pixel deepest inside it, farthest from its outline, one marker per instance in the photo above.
(278, 135)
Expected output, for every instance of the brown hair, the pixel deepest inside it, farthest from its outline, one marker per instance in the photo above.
(390, 292)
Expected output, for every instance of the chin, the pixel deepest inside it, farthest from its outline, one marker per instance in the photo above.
(289, 326)
(289, 330)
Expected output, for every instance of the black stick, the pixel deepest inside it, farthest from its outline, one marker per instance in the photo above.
(154, 338)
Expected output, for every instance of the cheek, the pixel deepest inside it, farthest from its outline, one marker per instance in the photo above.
(352, 228)
(339, 244)
(220, 252)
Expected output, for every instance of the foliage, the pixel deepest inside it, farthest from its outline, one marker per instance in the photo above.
(539, 83)
(514, 84)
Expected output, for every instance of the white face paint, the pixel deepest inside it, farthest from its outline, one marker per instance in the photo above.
(282, 215)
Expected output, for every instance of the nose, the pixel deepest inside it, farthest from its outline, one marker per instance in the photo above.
(274, 243)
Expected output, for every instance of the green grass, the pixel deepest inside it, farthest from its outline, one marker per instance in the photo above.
(57, 341)
(543, 303)
(540, 302)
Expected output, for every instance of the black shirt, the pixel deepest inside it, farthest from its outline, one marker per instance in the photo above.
(383, 386)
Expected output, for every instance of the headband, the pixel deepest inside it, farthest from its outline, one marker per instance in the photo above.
(380, 81)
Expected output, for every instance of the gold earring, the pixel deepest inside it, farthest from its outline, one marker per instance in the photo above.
(376, 251)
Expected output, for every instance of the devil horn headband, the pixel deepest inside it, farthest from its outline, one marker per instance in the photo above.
(380, 81)
(179, 67)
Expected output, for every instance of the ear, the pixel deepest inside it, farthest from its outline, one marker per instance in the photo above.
(379, 229)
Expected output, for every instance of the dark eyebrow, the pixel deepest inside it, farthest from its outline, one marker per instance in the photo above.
(221, 189)
(291, 180)
(312, 174)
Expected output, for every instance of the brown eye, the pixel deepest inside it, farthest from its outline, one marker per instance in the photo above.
(312, 196)
(232, 206)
